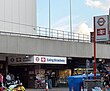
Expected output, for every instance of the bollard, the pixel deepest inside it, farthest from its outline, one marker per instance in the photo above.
(46, 86)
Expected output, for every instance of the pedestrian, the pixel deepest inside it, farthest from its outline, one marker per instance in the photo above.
(12, 77)
(38, 81)
(107, 88)
(49, 80)
(102, 68)
(1, 82)
(38, 77)
(8, 77)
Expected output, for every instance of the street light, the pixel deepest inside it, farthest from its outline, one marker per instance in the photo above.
(94, 51)
(70, 21)
(49, 19)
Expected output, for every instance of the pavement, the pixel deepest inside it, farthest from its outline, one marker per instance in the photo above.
(53, 89)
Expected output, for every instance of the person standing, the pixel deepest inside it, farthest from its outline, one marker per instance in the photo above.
(38, 77)
(102, 68)
(48, 79)
(1, 82)
(12, 77)
(38, 80)
(8, 77)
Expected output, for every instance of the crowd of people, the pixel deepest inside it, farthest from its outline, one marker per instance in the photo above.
(6, 80)
(104, 71)
(102, 67)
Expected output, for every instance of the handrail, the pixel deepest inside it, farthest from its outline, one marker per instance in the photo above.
(42, 32)
(64, 35)
(57, 35)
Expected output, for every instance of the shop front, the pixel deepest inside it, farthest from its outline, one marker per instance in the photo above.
(59, 73)
(57, 66)
(21, 66)
(27, 68)
(3, 64)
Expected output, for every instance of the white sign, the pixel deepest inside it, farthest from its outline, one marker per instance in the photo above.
(101, 27)
(50, 60)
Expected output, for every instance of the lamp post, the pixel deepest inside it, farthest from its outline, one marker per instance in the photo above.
(94, 51)
(49, 19)
(70, 21)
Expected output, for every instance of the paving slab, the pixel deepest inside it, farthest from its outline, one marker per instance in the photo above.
(53, 89)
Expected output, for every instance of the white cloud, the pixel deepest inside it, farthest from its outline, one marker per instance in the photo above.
(78, 28)
(62, 24)
(81, 28)
(100, 4)
(84, 29)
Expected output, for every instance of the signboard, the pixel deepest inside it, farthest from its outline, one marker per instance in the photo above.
(102, 27)
(50, 60)
(36, 59)
(19, 60)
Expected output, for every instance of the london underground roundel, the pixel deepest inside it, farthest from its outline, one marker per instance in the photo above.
(12, 60)
(101, 21)
(37, 59)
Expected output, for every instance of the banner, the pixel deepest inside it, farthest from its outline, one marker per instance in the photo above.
(50, 60)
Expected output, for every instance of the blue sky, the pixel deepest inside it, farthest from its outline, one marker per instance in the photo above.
(83, 12)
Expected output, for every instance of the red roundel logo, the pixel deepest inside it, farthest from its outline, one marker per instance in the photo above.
(101, 21)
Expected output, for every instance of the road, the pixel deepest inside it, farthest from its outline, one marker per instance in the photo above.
(53, 89)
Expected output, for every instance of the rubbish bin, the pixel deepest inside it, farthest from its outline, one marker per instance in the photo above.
(75, 82)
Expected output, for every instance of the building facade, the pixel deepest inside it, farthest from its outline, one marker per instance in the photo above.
(18, 16)
(19, 45)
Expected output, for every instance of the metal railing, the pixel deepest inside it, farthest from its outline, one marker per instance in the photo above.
(42, 32)
(53, 34)
(61, 35)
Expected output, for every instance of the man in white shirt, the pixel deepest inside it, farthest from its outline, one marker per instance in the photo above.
(8, 77)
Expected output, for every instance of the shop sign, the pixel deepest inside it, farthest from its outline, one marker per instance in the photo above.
(50, 60)
(17, 60)
(2, 57)
(101, 24)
